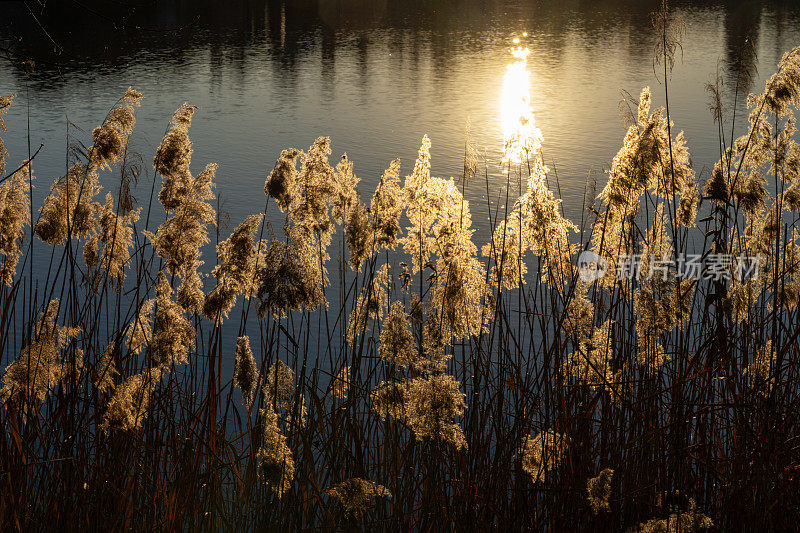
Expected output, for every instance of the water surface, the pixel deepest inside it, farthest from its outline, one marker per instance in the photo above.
(375, 77)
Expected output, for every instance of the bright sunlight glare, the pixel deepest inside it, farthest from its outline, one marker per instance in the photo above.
(520, 134)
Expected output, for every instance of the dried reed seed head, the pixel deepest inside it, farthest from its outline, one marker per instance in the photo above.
(239, 257)
(470, 156)
(791, 196)
(139, 332)
(14, 216)
(105, 373)
(758, 372)
(678, 521)
(643, 110)
(295, 272)
(388, 399)
(463, 296)
(788, 295)
(369, 306)
(245, 371)
(173, 334)
(357, 495)
(387, 206)
(359, 235)
(291, 279)
(580, 312)
(542, 455)
(129, 406)
(590, 364)
(460, 293)
(282, 182)
(506, 251)
(741, 297)
(421, 203)
(340, 385)
(69, 210)
(71, 370)
(274, 458)
(750, 191)
(91, 251)
(317, 191)
(782, 89)
(280, 393)
(687, 205)
(534, 220)
(37, 368)
(716, 188)
(190, 292)
(441, 224)
(397, 345)
(115, 233)
(110, 139)
(436, 339)
(345, 192)
(132, 97)
(670, 28)
(180, 238)
(599, 491)
(5, 104)
(656, 248)
(174, 154)
(651, 355)
(431, 404)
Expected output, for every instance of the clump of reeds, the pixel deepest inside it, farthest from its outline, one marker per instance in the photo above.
(479, 387)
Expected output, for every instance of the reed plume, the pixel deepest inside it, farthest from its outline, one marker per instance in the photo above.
(173, 334)
(140, 331)
(115, 234)
(599, 490)
(106, 373)
(70, 210)
(341, 383)
(357, 495)
(688, 520)
(5, 104)
(185, 197)
(239, 256)
(245, 372)
(387, 207)
(14, 216)
(275, 462)
(129, 406)
(38, 368)
(541, 455)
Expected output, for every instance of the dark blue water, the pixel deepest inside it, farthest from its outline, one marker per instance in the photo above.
(374, 76)
(268, 76)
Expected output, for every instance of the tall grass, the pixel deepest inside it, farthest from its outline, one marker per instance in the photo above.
(449, 388)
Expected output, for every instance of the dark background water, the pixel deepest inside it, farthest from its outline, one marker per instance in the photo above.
(373, 75)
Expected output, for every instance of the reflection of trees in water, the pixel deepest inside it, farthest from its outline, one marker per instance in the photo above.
(108, 35)
(742, 27)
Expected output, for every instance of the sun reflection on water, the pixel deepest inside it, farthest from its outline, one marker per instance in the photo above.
(521, 137)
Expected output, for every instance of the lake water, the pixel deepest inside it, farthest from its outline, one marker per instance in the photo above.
(375, 77)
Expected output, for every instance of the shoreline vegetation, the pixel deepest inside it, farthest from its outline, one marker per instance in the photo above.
(460, 385)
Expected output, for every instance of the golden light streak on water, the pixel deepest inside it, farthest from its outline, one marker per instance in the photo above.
(521, 137)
